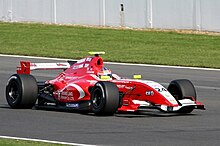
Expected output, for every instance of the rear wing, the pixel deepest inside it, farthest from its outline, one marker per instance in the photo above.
(26, 66)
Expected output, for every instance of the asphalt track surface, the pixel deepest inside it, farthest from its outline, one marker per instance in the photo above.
(149, 128)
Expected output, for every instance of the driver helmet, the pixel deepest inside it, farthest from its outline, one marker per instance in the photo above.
(105, 74)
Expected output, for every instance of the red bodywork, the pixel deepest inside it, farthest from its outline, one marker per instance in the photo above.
(75, 83)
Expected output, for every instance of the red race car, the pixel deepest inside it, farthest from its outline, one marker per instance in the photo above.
(86, 85)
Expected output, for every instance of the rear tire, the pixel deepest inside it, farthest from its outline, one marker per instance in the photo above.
(104, 98)
(21, 91)
(181, 89)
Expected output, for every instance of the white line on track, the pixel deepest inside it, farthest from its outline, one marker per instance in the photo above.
(46, 141)
(126, 64)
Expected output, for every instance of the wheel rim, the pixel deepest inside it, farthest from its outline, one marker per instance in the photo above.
(13, 92)
(97, 98)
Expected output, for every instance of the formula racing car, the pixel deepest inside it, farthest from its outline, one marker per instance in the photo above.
(87, 85)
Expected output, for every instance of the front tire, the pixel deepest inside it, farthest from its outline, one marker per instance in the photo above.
(21, 91)
(182, 89)
(104, 98)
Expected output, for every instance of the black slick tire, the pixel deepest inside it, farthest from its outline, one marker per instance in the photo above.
(104, 98)
(21, 91)
(182, 89)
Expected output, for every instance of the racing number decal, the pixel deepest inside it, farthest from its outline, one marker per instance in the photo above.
(161, 89)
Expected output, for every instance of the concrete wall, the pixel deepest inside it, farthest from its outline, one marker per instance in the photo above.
(168, 14)
(173, 14)
(87, 12)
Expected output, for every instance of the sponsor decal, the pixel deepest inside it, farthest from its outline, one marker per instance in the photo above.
(161, 89)
(149, 93)
(78, 66)
(121, 86)
(73, 105)
(90, 72)
(129, 88)
(86, 65)
(125, 87)
(66, 95)
(88, 59)
(61, 64)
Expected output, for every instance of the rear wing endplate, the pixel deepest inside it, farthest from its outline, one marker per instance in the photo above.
(26, 66)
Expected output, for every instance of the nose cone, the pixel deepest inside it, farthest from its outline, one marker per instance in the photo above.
(157, 94)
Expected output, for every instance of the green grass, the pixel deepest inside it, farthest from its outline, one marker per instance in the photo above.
(150, 47)
(10, 142)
